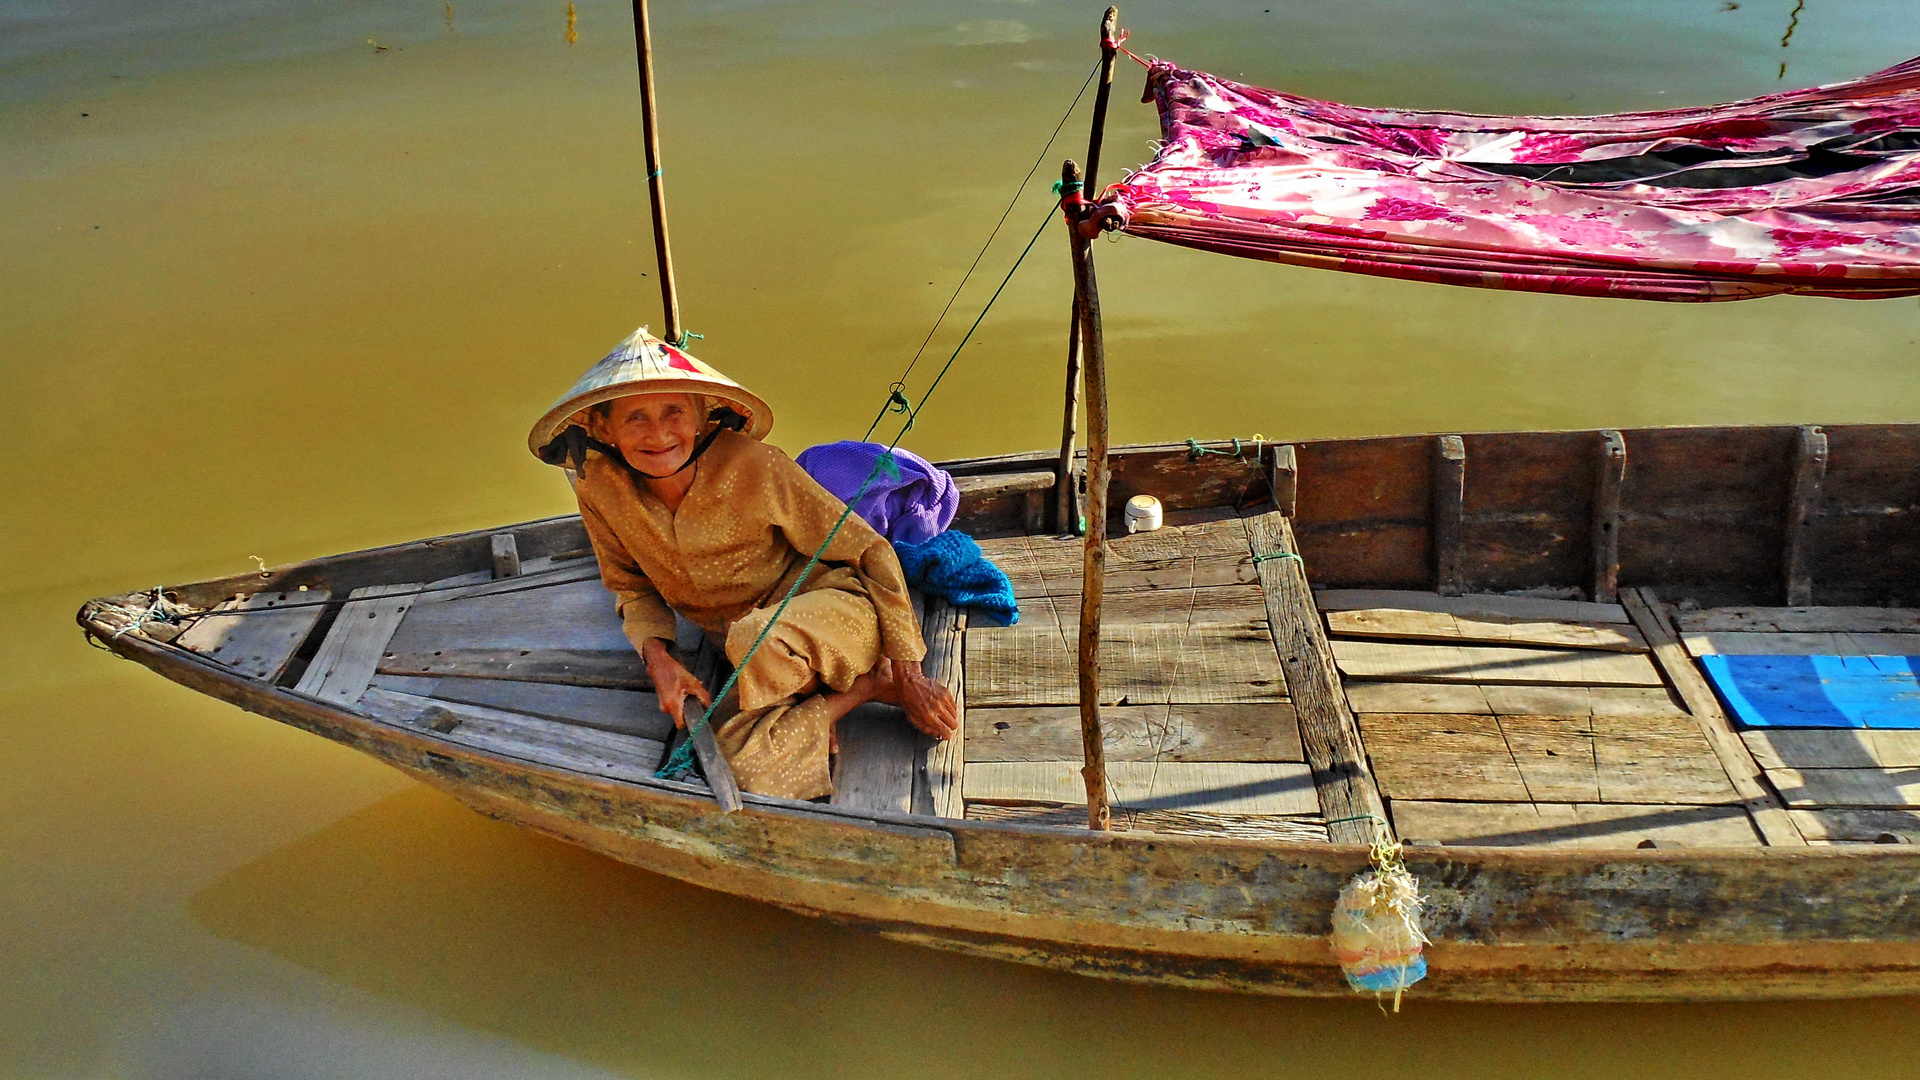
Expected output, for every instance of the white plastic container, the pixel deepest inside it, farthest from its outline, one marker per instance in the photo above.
(1143, 514)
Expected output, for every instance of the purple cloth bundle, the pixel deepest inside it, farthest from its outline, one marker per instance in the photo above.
(912, 508)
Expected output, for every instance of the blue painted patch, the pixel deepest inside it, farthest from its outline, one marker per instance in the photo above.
(1390, 978)
(1818, 691)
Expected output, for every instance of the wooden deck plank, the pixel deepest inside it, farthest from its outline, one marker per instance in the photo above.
(1484, 664)
(1574, 825)
(1432, 756)
(1857, 826)
(1830, 643)
(564, 746)
(344, 666)
(572, 615)
(1217, 787)
(874, 769)
(1805, 620)
(535, 575)
(617, 669)
(1473, 605)
(1883, 788)
(942, 763)
(1188, 647)
(1235, 732)
(1349, 798)
(257, 645)
(1624, 701)
(1766, 809)
(1833, 748)
(627, 712)
(1170, 822)
(1505, 630)
(1544, 759)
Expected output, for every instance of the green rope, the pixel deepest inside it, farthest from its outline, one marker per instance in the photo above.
(1258, 558)
(686, 336)
(1064, 188)
(681, 761)
(1195, 451)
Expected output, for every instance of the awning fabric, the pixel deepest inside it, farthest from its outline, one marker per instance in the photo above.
(1811, 191)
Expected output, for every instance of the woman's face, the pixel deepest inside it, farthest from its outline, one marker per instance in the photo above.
(655, 432)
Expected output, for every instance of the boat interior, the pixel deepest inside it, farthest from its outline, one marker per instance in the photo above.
(1513, 633)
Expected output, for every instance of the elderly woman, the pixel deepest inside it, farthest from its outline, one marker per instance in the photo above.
(689, 511)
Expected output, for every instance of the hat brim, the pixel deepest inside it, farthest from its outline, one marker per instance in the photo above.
(759, 416)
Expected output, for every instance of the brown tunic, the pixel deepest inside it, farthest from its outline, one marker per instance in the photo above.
(741, 537)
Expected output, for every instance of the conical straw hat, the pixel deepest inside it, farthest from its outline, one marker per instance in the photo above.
(643, 364)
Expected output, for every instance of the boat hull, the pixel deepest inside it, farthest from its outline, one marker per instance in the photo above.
(1210, 913)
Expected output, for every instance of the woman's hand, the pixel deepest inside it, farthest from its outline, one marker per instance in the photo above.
(672, 682)
(929, 704)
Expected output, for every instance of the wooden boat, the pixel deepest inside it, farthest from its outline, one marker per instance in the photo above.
(1584, 818)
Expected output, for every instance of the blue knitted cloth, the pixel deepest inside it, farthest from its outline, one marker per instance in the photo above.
(951, 566)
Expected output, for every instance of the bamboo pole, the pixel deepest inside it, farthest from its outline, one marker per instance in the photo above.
(1093, 581)
(656, 189)
(1065, 506)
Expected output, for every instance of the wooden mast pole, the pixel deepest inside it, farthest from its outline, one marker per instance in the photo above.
(1064, 504)
(643, 43)
(1093, 581)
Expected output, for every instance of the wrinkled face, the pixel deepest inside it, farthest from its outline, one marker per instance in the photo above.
(655, 432)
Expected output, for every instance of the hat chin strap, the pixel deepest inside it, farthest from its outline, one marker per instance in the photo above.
(573, 443)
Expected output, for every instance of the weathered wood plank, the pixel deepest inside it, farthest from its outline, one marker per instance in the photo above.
(1183, 646)
(1204, 551)
(1887, 788)
(1833, 748)
(1615, 760)
(1435, 756)
(993, 485)
(1394, 624)
(558, 572)
(1239, 732)
(1490, 664)
(342, 669)
(1575, 825)
(1478, 605)
(616, 669)
(257, 645)
(874, 769)
(945, 629)
(564, 746)
(1802, 644)
(574, 615)
(1610, 473)
(1858, 826)
(1801, 620)
(1766, 808)
(1349, 799)
(1624, 701)
(1803, 504)
(1297, 830)
(1449, 495)
(506, 555)
(1283, 479)
(1218, 787)
(627, 712)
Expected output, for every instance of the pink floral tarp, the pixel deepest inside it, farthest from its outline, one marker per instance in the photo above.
(1811, 191)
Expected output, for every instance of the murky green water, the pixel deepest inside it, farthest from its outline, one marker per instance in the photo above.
(265, 290)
